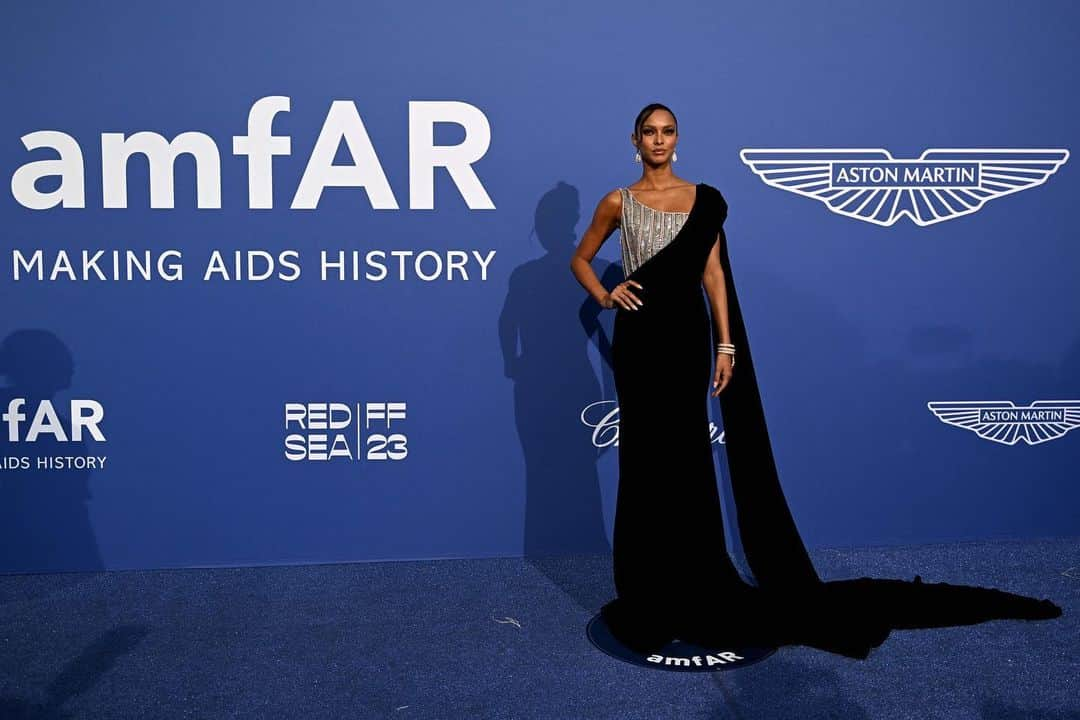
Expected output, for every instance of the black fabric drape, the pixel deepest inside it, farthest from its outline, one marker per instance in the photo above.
(673, 575)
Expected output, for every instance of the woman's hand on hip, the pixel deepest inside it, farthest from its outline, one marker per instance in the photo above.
(622, 295)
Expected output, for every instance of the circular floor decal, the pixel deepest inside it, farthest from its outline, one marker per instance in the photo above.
(677, 655)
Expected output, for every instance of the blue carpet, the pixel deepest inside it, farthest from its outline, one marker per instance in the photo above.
(504, 638)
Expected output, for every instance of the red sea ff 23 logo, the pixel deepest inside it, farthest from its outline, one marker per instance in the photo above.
(332, 430)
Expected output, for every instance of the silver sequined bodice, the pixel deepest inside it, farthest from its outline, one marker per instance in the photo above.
(644, 230)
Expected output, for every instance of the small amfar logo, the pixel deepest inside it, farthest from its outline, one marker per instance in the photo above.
(28, 423)
(37, 435)
(869, 184)
(1006, 423)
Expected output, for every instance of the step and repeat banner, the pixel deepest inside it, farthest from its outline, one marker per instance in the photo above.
(290, 283)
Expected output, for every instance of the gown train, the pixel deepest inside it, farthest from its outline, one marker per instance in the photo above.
(673, 575)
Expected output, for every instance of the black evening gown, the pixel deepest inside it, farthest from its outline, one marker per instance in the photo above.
(673, 575)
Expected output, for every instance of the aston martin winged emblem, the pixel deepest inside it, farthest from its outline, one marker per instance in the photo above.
(870, 184)
(1006, 423)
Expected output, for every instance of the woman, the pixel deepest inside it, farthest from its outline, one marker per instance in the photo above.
(673, 575)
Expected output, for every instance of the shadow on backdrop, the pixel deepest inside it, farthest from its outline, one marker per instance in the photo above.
(545, 354)
(44, 519)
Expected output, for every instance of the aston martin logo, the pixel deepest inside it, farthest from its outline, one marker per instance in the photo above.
(869, 184)
(1006, 423)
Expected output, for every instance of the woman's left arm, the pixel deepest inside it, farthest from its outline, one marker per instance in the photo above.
(716, 288)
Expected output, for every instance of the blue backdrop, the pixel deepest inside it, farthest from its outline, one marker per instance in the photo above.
(468, 398)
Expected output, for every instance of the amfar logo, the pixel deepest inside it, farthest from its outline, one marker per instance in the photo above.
(869, 184)
(45, 421)
(1006, 423)
(342, 124)
(37, 427)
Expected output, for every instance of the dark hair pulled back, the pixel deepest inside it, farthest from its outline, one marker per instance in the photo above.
(644, 115)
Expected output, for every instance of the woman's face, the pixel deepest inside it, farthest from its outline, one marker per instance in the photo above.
(658, 138)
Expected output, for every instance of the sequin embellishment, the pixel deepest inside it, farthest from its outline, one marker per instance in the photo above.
(645, 230)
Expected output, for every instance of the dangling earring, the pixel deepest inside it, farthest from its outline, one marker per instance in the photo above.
(637, 157)
(674, 156)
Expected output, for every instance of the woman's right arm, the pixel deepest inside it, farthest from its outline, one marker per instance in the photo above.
(605, 220)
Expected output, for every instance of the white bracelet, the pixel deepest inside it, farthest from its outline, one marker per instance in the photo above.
(726, 349)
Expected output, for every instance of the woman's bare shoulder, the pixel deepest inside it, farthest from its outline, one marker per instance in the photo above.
(611, 203)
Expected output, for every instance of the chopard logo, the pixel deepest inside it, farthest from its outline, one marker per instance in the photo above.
(603, 417)
(869, 184)
(1006, 423)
